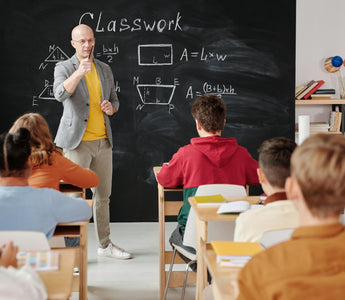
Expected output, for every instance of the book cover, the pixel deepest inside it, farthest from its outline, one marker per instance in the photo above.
(40, 260)
(229, 251)
(307, 90)
(304, 89)
(315, 88)
(325, 91)
(332, 121)
(321, 96)
(209, 199)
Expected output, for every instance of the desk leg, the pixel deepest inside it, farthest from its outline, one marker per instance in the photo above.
(83, 263)
(201, 275)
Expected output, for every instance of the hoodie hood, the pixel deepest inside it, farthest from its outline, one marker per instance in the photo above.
(216, 149)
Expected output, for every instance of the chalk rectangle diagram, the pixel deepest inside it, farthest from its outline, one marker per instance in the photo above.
(155, 55)
(158, 94)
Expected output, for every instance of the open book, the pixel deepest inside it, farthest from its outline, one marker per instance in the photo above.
(40, 260)
(236, 207)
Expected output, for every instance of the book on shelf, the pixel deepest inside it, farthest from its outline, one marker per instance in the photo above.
(321, 96)
(335, 120)
(299, 89)
(236, 207)
(210, 199)
(313, 89)
(325, 91)
(237, 254)
(39, 260)
(306, 86)
(316, 127)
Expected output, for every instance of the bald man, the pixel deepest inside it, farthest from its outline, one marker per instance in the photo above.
(85, 87)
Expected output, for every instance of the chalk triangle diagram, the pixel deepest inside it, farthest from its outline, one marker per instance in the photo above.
(157, 94)
(56, 55)
(47, 93)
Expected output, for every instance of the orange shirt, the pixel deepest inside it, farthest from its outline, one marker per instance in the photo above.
(309, 266)
(49, 176)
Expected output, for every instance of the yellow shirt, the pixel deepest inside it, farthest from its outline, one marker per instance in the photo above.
(95, 128)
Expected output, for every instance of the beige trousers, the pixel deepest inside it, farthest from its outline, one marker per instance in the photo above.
(97, 156)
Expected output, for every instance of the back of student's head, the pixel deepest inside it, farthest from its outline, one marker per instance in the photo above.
(41, 140)
(210, 111)
(15, 150)
(274, 159)
(318, 165)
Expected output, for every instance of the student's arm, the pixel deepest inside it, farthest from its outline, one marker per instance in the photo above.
(171, 174)
(75, 174)
(68, 209)
(8, 255)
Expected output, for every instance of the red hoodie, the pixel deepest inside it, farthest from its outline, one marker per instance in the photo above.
(208, 160)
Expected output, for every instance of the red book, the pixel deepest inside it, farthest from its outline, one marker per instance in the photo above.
(312, 91)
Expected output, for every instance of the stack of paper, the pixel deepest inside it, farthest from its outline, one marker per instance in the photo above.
(210, 199)
(235, 254)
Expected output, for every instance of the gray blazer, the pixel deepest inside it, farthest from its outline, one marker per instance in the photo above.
(76, 106)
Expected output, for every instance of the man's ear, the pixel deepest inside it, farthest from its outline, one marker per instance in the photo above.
(261, 175)
(73, 44)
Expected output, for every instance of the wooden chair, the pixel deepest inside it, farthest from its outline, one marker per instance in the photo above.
(76, 229)
(168, 208)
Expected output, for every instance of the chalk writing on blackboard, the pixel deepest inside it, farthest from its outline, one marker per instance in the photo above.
(203, 55)
(155, 55)
(156, 94)
(55, 55)
(46, 94)
(211, 88)
(135, 24)
(108, 52)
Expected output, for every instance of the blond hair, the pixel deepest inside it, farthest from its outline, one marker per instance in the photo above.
(42, 145)
(318, 165)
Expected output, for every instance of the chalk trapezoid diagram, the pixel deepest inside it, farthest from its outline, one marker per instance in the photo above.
(156, 94)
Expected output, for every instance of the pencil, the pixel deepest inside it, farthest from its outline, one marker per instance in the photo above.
(90, 52)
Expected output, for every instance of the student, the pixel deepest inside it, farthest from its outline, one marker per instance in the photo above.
(208, 159)
(49, 165)
(26, 208)
(278, 213)
(311, 265)
(15, 283)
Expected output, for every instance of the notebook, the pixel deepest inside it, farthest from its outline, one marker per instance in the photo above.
(40, 260)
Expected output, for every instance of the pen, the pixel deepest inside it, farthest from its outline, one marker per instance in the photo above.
(90, 52)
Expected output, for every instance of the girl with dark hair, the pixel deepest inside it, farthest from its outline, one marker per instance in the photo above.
(26, 208)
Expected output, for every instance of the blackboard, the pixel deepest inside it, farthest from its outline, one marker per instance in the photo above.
(163, 55)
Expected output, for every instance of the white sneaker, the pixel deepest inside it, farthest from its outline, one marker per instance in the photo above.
(113, 251)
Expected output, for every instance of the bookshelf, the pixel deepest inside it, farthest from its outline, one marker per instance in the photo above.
(327, 102)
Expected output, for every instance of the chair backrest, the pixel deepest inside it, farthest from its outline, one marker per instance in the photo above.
(215, 230)
(25, 240)
(223, 189)
(272, 237)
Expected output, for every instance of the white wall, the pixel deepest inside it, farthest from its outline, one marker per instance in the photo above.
(320, 33)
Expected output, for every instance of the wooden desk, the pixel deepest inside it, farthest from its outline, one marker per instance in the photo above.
(77, 229)
(59, 283)
(221, 277)
(203, 215)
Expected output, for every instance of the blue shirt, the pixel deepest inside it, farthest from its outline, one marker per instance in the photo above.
(28, 208)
